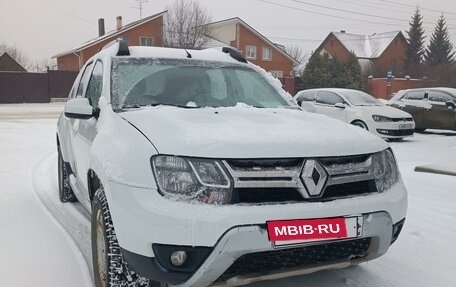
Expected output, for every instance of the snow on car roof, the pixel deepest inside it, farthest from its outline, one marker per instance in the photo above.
(212, 54)
(443, 89)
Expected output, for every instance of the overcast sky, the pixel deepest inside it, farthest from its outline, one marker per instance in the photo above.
(43, 28)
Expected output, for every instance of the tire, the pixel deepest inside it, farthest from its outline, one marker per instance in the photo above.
(360, 124)
(420, 130)
(109, 267)
(66, 194)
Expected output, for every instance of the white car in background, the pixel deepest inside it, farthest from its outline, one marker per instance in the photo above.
(359, 109)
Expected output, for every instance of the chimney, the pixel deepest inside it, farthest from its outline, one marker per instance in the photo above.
(119, 22)
(101, 27)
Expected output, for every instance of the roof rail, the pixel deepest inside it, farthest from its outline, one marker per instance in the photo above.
(235, 54)
(123, 47)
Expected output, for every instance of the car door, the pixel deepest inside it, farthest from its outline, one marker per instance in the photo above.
(440, 116)
(414, 103)
(325, 104)
(86, 128)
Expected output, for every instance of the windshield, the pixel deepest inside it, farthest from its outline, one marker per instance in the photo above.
(358, 98)
(137, 82)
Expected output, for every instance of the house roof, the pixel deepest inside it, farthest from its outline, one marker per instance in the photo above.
(8, 64)
(237, 20)
(111, 34)
(367, 46)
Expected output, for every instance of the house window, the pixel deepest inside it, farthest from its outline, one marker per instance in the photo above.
(267, 54)
(146, 41)
(250, 52)
(277, 74)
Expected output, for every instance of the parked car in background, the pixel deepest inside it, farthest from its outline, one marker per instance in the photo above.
(358, 108)
(431, 108)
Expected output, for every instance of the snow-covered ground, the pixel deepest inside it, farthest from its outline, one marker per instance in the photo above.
(47, 243)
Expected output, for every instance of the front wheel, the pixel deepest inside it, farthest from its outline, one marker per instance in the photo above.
(360, 124)
(109, 267)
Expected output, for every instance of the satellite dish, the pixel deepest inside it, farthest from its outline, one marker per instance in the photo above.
(292, 73)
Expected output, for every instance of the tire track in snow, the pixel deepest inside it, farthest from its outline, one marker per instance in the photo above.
(70, 217)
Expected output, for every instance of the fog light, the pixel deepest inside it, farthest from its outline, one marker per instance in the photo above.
(178, 258)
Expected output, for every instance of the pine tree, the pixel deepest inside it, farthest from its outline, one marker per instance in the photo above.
(440, 49)
(316, 74)
(415, 46)
(324, 72)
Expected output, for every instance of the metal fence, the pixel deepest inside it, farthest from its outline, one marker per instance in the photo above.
(24, 87)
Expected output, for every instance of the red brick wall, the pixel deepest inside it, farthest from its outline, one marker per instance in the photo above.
(150, 29)
(391, 59)
(335, 48)
(68, 63)
(278, 61)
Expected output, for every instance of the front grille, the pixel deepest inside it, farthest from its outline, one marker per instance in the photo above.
(266, 195)
(396, 133)
(402, 119)
(270, 261)
(258, 181)
(350, 189)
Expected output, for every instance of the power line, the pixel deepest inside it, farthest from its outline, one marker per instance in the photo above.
(66, 12)
(324, 14)
(415, 6)
(351, 12)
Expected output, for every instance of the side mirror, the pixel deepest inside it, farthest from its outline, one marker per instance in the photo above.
(78, 108)
(340, 105)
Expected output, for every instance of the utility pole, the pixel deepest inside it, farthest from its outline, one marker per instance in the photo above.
(139, 5)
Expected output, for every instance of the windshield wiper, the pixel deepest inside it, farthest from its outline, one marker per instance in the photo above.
(171, 105)
(133, 106)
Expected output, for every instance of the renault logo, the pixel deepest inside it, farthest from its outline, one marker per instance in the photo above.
(314, 177)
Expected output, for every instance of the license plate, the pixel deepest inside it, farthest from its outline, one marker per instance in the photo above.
(405, 126)
(288, 232)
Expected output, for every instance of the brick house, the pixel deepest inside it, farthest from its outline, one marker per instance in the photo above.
(145, 32)
(376, 53)
(256, 48)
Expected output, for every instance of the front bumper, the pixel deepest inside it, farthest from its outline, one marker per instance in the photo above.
(393, 129)
(241, 240)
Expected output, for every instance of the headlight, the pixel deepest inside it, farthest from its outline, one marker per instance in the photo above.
(189, 179)
(386, 173)
(378, 118)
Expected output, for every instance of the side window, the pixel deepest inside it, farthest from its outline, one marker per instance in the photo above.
(328, 98)
(95, 84)
(438, 96)
(84, 80)
(416, 95)
(306, 97)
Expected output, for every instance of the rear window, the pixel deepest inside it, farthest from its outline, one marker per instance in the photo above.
(306, 96)
(415, 95)
(438, 96)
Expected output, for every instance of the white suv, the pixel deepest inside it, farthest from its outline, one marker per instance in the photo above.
(197, 170)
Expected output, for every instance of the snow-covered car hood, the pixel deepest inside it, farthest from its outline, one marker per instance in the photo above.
(249, 133)
(385, 111)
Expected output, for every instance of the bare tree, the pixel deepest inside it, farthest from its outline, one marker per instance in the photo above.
(299, 55)
(185, 25)
(18, 55)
